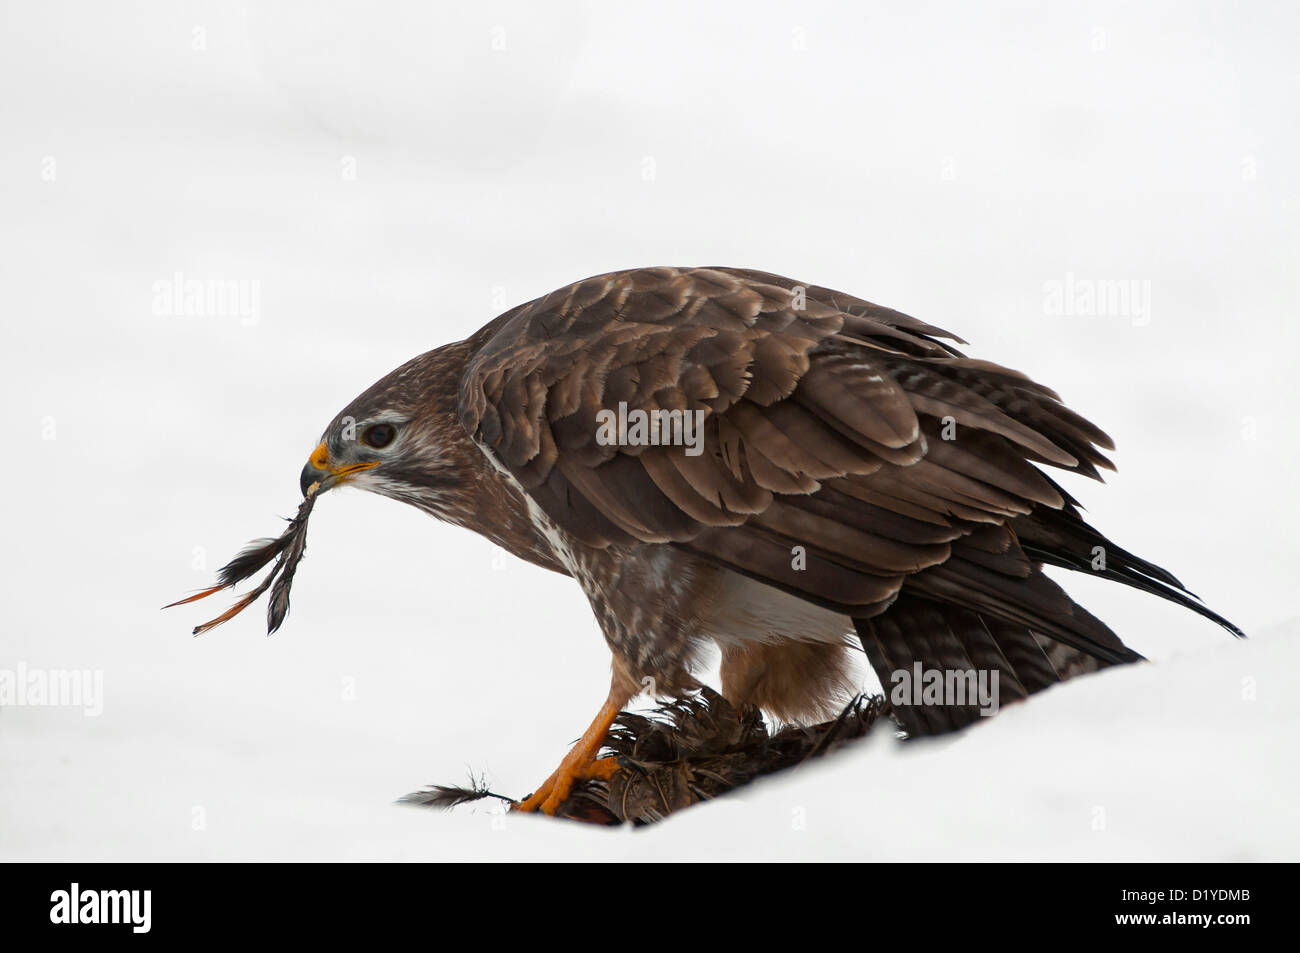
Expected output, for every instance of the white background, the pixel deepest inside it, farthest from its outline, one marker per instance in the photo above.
(946, 159)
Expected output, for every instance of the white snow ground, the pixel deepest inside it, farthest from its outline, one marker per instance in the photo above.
(1176, 761)
(393, 175)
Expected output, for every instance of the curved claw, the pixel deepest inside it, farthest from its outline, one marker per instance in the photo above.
(581, 763)
(555, 790)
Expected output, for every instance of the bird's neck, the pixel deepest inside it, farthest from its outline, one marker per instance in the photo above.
(494, 507)
(479, 497)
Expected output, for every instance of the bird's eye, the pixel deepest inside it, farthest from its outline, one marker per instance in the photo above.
(378, 435)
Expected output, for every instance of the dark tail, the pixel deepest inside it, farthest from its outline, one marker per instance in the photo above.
(966, 615)
(1062, 538)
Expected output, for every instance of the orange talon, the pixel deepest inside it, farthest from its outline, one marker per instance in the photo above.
(581, 763)
(602, 769)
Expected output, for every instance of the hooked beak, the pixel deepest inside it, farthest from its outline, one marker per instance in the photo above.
(320, 474)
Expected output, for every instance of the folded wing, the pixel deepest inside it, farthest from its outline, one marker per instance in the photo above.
(849, 456)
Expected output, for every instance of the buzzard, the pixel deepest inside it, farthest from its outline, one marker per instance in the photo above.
(729, 457)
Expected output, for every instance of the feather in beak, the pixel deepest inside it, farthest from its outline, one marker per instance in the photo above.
(286, 549)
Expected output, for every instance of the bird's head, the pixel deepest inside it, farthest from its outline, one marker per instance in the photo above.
(400, 439)
(348, 449)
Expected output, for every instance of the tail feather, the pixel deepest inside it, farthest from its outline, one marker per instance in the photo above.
(1061, 538)
(987, 612)
(948, 638)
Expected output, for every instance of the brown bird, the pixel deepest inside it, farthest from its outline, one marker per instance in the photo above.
(727, 456)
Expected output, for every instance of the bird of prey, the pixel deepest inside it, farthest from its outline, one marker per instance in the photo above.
(819, 475)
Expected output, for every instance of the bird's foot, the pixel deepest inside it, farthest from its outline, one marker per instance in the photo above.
(581, 763)
(555, 790)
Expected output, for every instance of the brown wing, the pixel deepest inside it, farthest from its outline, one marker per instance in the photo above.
(849, 455)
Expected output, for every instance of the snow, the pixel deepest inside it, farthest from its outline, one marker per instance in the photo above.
(1171, 761)
(388, 177)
